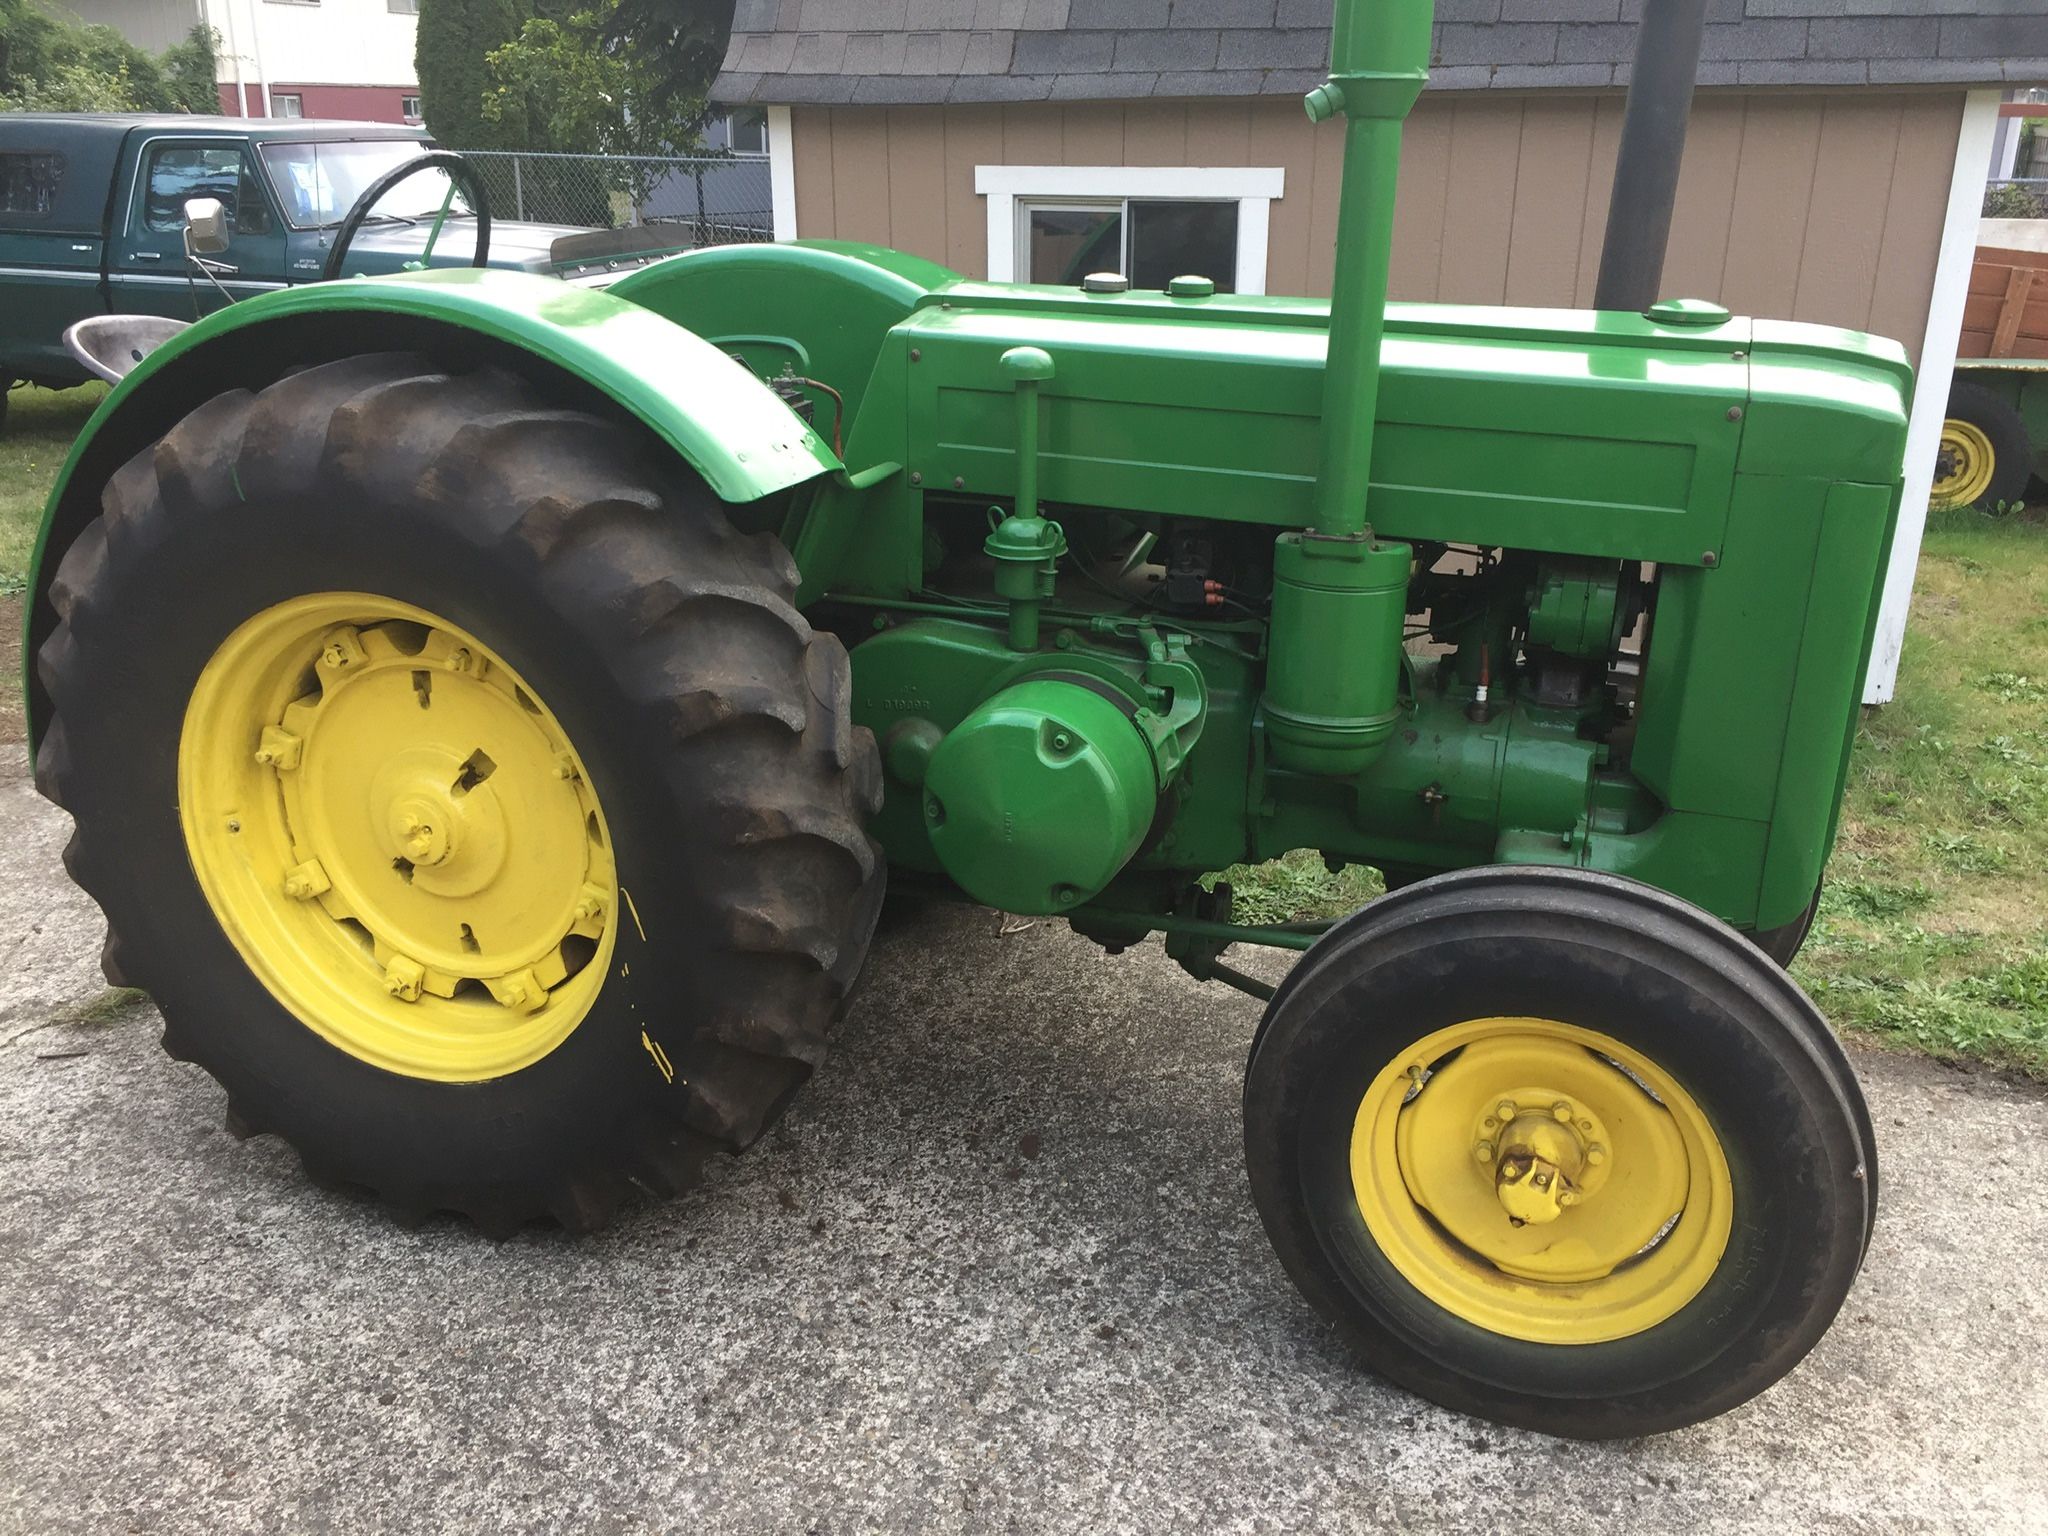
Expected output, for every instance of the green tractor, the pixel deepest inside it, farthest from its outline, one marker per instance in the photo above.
(489, 707)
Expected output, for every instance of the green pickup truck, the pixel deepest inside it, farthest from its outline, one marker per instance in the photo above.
(93, 206)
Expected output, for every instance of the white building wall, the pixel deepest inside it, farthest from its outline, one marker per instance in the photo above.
(319, 42)
(330, 42)
(151, 24)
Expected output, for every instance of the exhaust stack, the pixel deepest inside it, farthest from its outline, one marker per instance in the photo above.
(1652, 145)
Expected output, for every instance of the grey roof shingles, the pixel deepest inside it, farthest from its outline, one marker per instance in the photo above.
(901, 51)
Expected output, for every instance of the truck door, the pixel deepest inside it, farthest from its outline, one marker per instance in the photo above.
(147, 270)
(49, 251)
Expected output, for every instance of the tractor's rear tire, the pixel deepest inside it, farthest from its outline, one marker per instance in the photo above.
(1713, 1173)
(307, 601)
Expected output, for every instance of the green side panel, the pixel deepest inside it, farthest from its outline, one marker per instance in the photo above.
(1576, 443)
(818, 307)
(1712, 861)
(868, 541)
(1825, 403)
(727, 425)
(1822, 724)
(1723, 653)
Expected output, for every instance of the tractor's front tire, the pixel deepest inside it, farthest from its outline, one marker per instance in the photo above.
(1556, 1149)
(462, 785)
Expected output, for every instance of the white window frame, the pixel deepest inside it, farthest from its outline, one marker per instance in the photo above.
(1252, 188)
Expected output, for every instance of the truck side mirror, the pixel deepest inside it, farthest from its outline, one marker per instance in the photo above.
(206, 226)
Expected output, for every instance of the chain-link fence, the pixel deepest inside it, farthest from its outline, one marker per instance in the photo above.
(708, 199)
(2022, 197)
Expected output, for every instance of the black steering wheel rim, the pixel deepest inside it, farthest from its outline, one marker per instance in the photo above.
(459, 170)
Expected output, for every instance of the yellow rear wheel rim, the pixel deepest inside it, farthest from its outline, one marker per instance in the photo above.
(1964, 464)
(1449, 1136)
(398, 837)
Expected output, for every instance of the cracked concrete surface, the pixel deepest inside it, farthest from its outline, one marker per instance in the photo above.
(998, 1272)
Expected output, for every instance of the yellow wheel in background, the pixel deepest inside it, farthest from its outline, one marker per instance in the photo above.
(1541, 1180)
(1964, 465)
(398, 836)
(1986, 457)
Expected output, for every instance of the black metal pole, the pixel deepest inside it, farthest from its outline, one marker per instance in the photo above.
(1652, 145)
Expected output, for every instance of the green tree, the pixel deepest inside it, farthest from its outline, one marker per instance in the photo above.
(684, 42)
(455, 37)
(568, 87)
(563, 84)
(51, 63)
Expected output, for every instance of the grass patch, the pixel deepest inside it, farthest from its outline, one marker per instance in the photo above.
(1295, 887)
(40, 426)
(1933, 931)
(110, 1004)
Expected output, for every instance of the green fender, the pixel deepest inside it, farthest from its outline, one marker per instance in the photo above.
(727, 425)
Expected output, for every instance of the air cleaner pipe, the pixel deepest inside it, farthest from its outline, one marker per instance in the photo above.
(1379, 58)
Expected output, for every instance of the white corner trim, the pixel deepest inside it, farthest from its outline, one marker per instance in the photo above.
(782, 173)
(1252, 188)
(1930, 388)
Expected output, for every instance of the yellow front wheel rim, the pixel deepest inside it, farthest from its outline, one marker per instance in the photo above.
(1541, 1180)
(398, 837)
(1964, 464)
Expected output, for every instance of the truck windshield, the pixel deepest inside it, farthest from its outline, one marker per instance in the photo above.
(319, 181)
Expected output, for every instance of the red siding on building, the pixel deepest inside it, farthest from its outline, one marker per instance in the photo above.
(356, 103)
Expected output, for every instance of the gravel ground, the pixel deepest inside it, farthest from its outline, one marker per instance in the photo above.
(998, 1271)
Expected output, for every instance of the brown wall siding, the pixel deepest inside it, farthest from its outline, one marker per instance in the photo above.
(1817, 207)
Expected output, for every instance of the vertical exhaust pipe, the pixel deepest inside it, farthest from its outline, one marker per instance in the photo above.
(1652, 145)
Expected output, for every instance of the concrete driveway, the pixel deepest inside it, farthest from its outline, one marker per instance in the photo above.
(998, 1271)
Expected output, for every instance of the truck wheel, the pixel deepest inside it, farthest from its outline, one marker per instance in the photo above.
(1559, 1150)
(1984, 459)
(463, 786)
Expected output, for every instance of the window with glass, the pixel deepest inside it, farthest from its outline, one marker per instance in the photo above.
(319, 180)
(1150, 241)
(287, 104)
(180, 172)
(28, 181)
(409, 108)
(746, 132)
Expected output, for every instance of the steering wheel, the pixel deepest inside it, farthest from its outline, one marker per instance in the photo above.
(459, 170)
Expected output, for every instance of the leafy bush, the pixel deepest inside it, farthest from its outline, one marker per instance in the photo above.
(2006, 201)
(51, 64)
